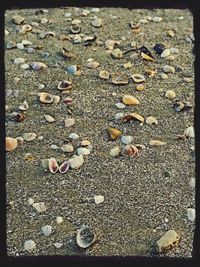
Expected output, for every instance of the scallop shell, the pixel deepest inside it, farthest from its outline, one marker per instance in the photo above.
(120, 80)
(113, 133)
(38, 66)
(65, 85)
(133, 116)
(45, 98)
(85, 237)
(157, 143)
(75, 29)
(11, 143)
(151, 120)
(64, 167)
(29, 136)
(53, 165)
(130, 150)
(130, 100)
(138, 78)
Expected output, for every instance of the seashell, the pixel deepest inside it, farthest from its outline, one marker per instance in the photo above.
(109, 44)
(67, 148)
(73, 136)
(72, 69)
(56, 99)
(26, 42)
(189, 132)
(20, 46)
(45, 164)
(133, 116)
(40, 206)
(128, 65)
(170, 94)
(130, 150)
(139, 146)
(46, 34)
(19, 60)
(120, 105)
(130, 100)
(76, 21)
(20, 117)
(165, 53)
(85, 143)
(38, 66)
(11, 143)
(76, 161)
(98, 199)
(168, 69)
(25, 66)
(134, 25)
(145, 53)
(191, 214)
(85, 237)
(120, 80)
(59, 220)
(117, 53)
(53, 165)
(138, 78)
(113, 133)
(83, 151)
(47, 230)
(170, 33)
(29, 245)
(119, 116)
(115, 151)
(151, 120)
(49, 118)
(18, 19)
(96, 23)
(77, 39)
(45, 98)
(159, 48)
(157, 143)
(140, 87)
(25, 28)
(151, 72)
(20, 140)
(88, 40)
(64, 85)
(69, 122)
(24, 106)
(126, 139)
(156, 19)
(29, 136)
(169, 240)
(85, 12)
(92, 65)
(75, 29)
(64, 167)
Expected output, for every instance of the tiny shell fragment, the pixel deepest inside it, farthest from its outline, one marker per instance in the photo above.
(169, 240)
(133, 116)
(113, 133)
(29, 136)
(157, 143)
(151, 120)
(130, 100)
(69, 122)
(49, 118)
(104, 75)
(40, 206)
(170, 94)
(138, 78)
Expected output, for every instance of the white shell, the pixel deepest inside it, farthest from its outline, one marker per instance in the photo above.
(151, 120)
(115, 151)
(168, 69)
(119, 115)
(189, 132)
(191, 214)
(19, 60)
(40, 206)
(59, 220)
(73, 136)
(170, 94)
(24, 105)
(120, 105)
(85, 237)
(98, 199)
(29, 245)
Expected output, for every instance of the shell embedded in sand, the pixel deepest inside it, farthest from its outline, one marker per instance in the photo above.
(45, 98)
(11, 143)
(133, 116)
(113, 133)
(151, 120)
(53, 165)
(138, 78)
(104, 75)
(85, 237)
(130, 100)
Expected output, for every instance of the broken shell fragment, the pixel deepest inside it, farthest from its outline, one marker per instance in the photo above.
(38, 66)
(165, 53)
(117, 53)
(64, 85)
(145, 53)
(45, 98)
(130, 100)
(130, 150)
(24, 106)
(76, 161)
(113, 133)
(46, 34)
(29, 136)
(69, 122)
(11, 143)
(159, 48)
(170, 94)
(18, 19)
(157, 143)
(98, 199)
(133, 116)
(189, 132)
(85, 237)
(169, 240)
(53, 165)
(49, 118)
(25, 28)
(56, 99)
(120, 80)
(104, 75)
(151, 120)
(67, 148)
(138, 78)
(92, 65)
(140, 87)
(64, 167)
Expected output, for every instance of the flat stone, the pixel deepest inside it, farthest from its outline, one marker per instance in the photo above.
(76, 161)
(67, 148)
(98, 199)
(191, 214)
(40, 206)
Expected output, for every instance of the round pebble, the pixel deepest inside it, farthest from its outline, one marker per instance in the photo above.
(126, 139)
(191, 214)
(47, 230)
(73, 136)
(29, 245)
(19, 60)
(59, 220)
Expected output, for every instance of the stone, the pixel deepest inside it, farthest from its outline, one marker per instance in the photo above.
(25, 66)
(119, 116)
(19, 60)
(191, 214)
(67, 148)
(49, 118)
(76, 161)
(116, 53)
(165, 53)
(85, 143)
(69, 122)
(98, 199)
(170, 94)
(47, 230)
(130, 100)
(59, 220)
(168, 69)
(73, 136)
(29, 245)
(40, 206)
(189, 132)
(120, 105)
(83, 151)
(20, 46)
(169, 240)
(126, 139)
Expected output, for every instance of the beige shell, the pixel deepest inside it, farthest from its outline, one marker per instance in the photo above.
(133, 116)
(69, 122)
(138, 78)
(24, 106)
(169, 240)
(92, 65)
(151, 120)
(127, 65)
(104, 75)
(116, 53)
(157, 143)
(170, 94)
(64, 85)
(49, 118)
(11, 143)
(46, 34)
(85, 143)
(130, 100)
(120, 80)
(56, 99)
(45, 98)
(29, 136)
(113, 133)
(25, 28)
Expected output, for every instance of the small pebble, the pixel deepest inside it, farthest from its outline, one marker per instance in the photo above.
(40, 206)
(20, 46)
(58, 245)
(19, 60)
(69, 122)
(191, 214)
(76, 161)
(26, 42)
(74, 136)
(168, 69)
(49, 118)
(59, 220)
(47, 230)
(25, 66)
(119, 116)
(41, 86)
(126, 139)
(76, 21)
(157, 19)
(164, 76)
(30, 201)
(83, 151)
(72, 69)
(67, 148)
(165, 53)
(77, 39)
(98, 199)
(29, 245)
(54, 147)
(44, 21)
(67, 15)
(40, 137)
(85, 143)
(120, 105)
(115, 151)
(166, 220)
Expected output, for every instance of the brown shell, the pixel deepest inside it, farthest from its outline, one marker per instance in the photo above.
(11, 143)
(113, 133)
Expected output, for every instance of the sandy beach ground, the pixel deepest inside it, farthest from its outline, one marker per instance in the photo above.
(144, 196)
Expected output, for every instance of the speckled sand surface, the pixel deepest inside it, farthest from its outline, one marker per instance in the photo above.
(138, 196)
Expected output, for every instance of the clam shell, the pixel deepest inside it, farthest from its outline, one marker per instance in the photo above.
(151, 120)
(45, 98)
(75, 29)
(56, 99)
(133, 116)
(120, 80)
(11, 143)
(49, 118)
(64, 167)
(138, 78)
(157, 143)
(140, 87)
(170, 94)
(85, 237)
(85, 143)
(65, 85)
(113, 133)
(29, 136)
(130, 150)
(46, 34)
(38, 66)
(96, 23)
(130, 100)
(53, 165)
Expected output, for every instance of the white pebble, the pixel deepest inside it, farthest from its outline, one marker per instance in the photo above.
(67, 15)
(165, 53)
(47, 230)
(191, 214)
(73, 136)
(67, 148)
(83, 151)
(98, 199)
(192, 183)
(19, 60)
(189, 132)
(164, 76)
(29, 245)
(20, 46)
(76, 161)
(126, 139)
(25, 66)
(120, 105)
(115, 151)
(54, 147)
(169, 69)
(59, 220)
(30, 201)
(40, 137)
(41, 86)
(119, 115)
(69, 122)
(156, 19)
